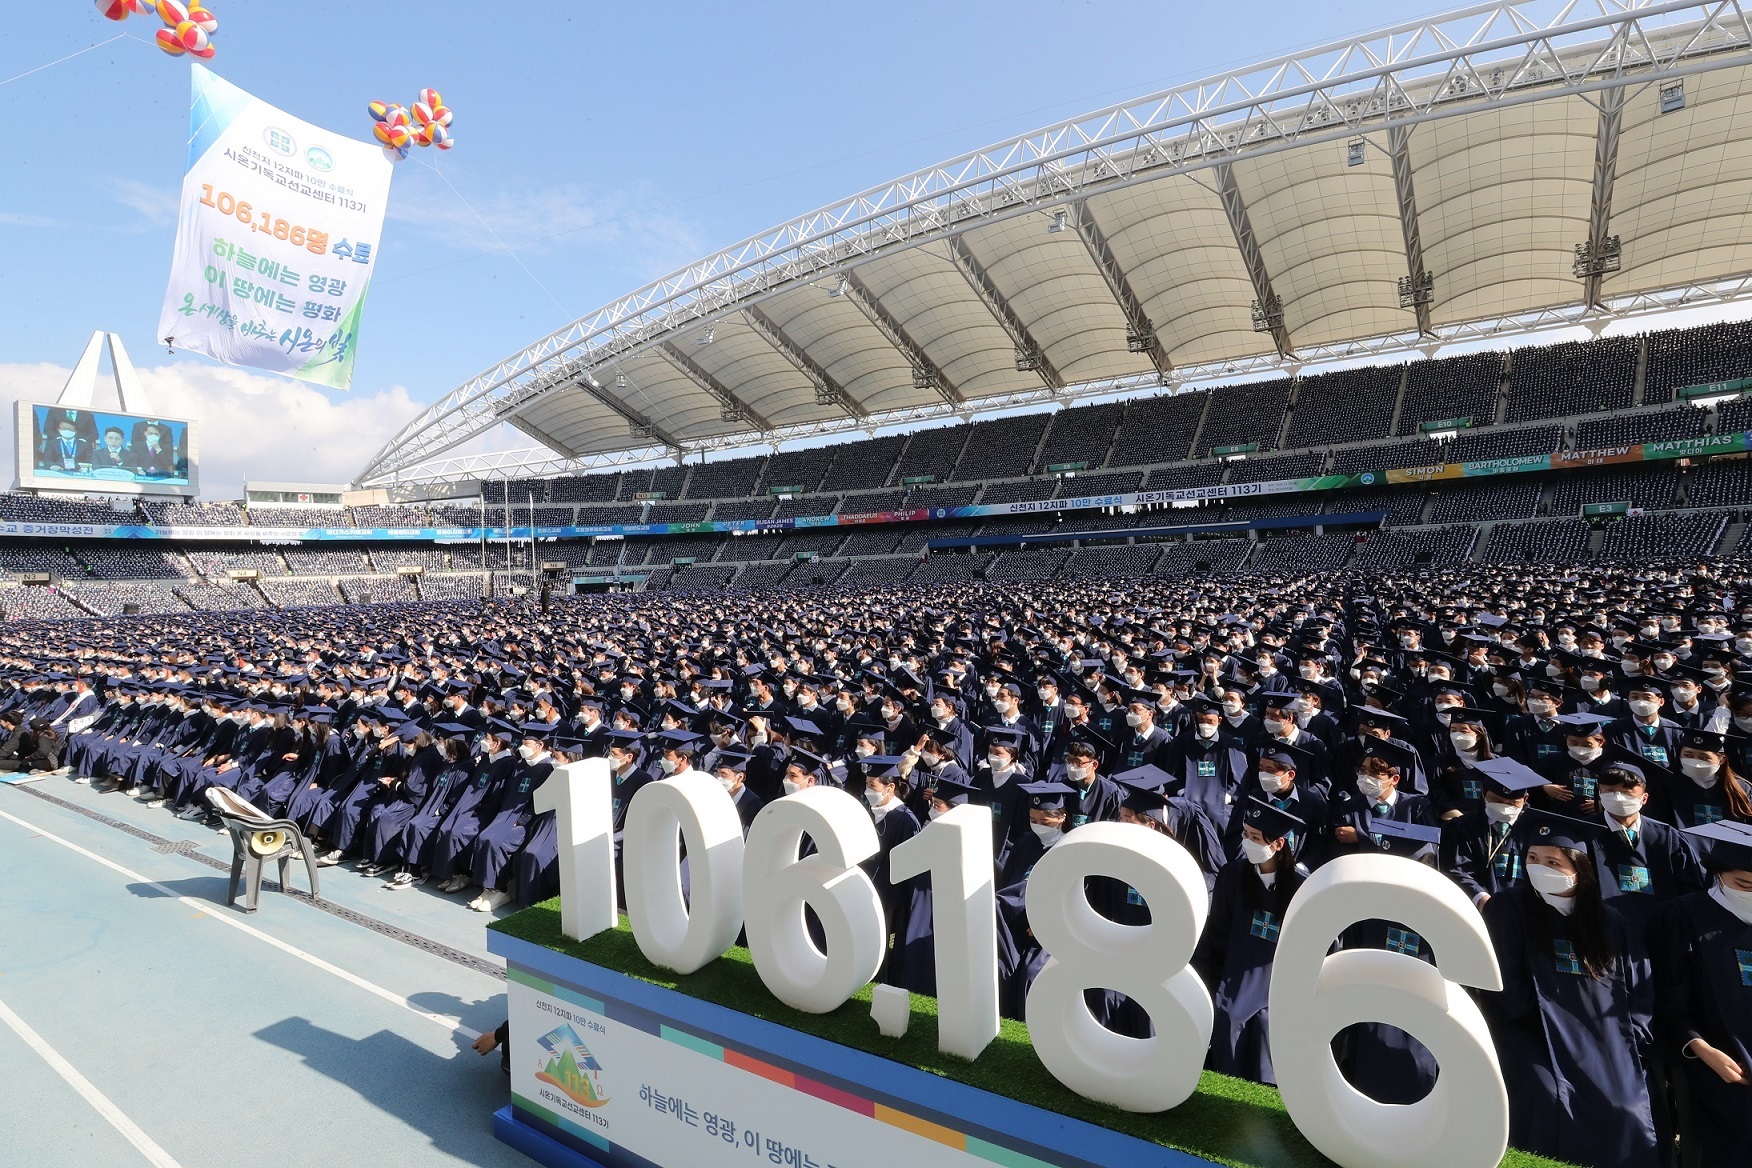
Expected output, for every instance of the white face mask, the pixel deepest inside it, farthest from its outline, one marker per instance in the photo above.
(1257, 853)
(1279, 729)
(1736, 901)
(1134, 720)
(1047, 834)
(865, 750)
(1591, 684)
(1206, 732)
(936, 812)
(1501, 812)
(1233, 709)
(1500, 689)
(729, 782)
(1643, 708)
(1079, 773)
(1743, 724)
(1700, 771)
(1743, 645)
(1374, 789)
(668, 765)
(874, 797)
(527, 752)
(1463, 741)
(791, 788)
(1549, 881)
(1620, 805)
(1274, 782)
(1585, 754)
(1540, 708)
(1309, 672)
(1554, 671)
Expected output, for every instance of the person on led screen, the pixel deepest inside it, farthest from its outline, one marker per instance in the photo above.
(153, 456)
(62, 447)
(113, 454)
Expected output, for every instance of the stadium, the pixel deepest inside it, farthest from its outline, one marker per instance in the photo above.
(1375, 418)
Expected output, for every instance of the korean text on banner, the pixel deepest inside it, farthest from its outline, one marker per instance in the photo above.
(276, 237)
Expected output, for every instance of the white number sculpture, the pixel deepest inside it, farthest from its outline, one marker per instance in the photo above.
(779, 884)
(1147, 963)
(673, 933)
(579, 796)
(957, 851)
(1464, 1121)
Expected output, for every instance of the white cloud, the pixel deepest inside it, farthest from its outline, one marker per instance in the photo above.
(14, 219)
(157, 207)
(537, 220)
(249, 425)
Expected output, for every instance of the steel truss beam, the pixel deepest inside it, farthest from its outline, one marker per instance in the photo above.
(1490, 56)
(643, 426)
(543, 437)
(729, 403)
(923, 367)
(827, 390)
(998, 305)
(1140, 331)
(1605, 174)
(1266, 302)
(1399, 149)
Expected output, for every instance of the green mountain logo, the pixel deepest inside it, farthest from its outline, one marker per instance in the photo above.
(568, 1065)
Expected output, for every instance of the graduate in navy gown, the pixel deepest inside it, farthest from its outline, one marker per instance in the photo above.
(917, 945)
(1235, 952)
(1384, 1062)
(1706, 788)
(895, 824)
(1573, 1021)
(1703, 974)
(449, 854)
(508, 829)
(1020, 956)
(1641, 861)
(1480, 850)
(446, 787)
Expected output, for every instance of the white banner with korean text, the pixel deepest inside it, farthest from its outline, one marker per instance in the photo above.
(277, 234)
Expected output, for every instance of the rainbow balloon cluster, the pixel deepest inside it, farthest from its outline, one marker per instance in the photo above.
(399, 127)
(188, 28)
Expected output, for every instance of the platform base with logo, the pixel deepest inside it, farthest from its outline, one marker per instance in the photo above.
(610, 1070)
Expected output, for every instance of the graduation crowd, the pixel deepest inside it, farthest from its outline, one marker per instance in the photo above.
(1574, 752)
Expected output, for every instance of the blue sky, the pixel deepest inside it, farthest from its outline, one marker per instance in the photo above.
(605, 144)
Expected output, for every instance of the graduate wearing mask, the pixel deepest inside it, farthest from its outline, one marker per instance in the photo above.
(1481, 852)
(1384, 1062)
(1020, 956)
(1097, 797)
(1208, 762)
(1276, 781)
(895, 824)
(915, 945)
(1703, 968)
(1706, 788)
(1572, 1022)
(1375, 795)
(1235, 952)
(1641, 861)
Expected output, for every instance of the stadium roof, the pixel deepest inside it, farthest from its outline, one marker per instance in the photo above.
(1501, 169)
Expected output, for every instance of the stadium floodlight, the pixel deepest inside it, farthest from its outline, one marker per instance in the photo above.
(1353, 152)
(1268, 314)
(839, 289)
(1027, 361)
(924, 378)
(1416, 290)
(1138, 341)
(707, 337)
(1060, 219)
(1600, 258)
(1673, 95)
(620, 381)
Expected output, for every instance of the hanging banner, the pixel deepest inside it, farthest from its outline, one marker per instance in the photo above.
(275, 240)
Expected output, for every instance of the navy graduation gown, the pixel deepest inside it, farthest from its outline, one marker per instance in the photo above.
(1636, 876)
(1384, 1062)
(1704, 973)
(1483, 857)
(1574, 1050)
(1234, 958)
(893, 828)
(1097, 803)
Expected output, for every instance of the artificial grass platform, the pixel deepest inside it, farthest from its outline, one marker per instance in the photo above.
(1229, 1120)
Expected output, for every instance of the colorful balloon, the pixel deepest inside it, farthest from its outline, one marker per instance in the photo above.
(442, 137)
(172, 12)
(208, 22)
(168, 41)
(397, 116)
(441, 115)
(115, 9)
(191, 36)
(430, 99)
(422, 113)
(379, 111)
(394, 154)
(425, 123)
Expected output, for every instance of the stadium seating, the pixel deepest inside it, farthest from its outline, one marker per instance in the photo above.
(1385, 551)
(389, 515)
(872, 541)
(1111, 562)
(378, 590)
(1244, 415)
(50, 509)
(874, 573)
(861, 466)
(1298, 555)
(1483, 445)
(1678, 358)
(300, 593)
(931, 452)
(1195, 474)
(763, 575)
(220, 597)
(731, 478)
(1281, 466)
(1720, 483)
(730, 509)
(338, 562)
(387, 559)
(676, 512)
(1353, 405)
(1080, 434)
(1390, 456)
(1629, 429)
(195, 514)
(954, 568)
(1451, 387)
(1029, 564)
(1578, 377)
(1734, 415)
(807, 505)
(1546, 541)
(112, 599)
(1211, 557)
(37, 604)
(601, 488)
(1000, 449)
(1112, 483)
(1643, 538)
(214, 564)
(131, 563)
(271, 516)
(1463, 501)
(1158, 429)
(1651, 486)
(1403, 505)
(798, 468)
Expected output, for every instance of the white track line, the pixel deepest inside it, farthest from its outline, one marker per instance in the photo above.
(155, 1155)
(208, 910)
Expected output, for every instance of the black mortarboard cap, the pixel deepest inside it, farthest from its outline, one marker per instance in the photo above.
(1268, 820)
(1538, 828)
